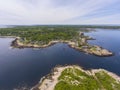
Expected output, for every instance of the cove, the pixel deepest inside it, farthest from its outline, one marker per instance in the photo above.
(25, 67)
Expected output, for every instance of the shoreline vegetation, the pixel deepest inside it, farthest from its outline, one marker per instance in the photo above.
(73, 77)
(44, 36)
(84, 46)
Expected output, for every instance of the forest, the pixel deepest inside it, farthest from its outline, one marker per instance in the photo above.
(42, 34)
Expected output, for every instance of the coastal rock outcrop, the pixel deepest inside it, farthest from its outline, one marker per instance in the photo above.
(99, 51)
(74, 76)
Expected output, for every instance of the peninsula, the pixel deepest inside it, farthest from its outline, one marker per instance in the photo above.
(75, 78)
(44, 36)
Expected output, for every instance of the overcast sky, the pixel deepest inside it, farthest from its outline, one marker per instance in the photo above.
(59, 12)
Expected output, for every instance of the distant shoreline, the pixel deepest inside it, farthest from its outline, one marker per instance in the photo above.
(7, 36)
(104, 26)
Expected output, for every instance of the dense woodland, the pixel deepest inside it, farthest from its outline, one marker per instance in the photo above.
(42, 34)
(45, 33)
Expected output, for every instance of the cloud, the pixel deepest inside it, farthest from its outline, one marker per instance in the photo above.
(59, 11)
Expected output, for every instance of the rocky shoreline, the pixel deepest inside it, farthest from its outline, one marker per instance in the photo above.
(49, 82)
(85, 47)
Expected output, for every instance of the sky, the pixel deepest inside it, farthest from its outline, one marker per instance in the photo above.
(37, 12)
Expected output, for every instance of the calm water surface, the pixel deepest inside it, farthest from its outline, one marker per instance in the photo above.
(25, 67)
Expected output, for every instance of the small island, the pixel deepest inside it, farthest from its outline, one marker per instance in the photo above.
(74, 77)
(44, 36)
